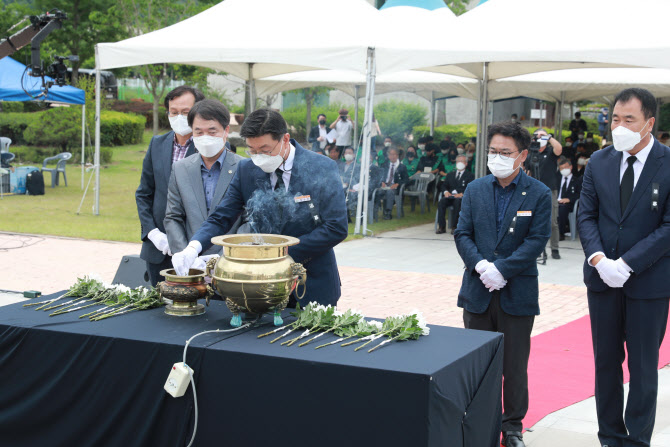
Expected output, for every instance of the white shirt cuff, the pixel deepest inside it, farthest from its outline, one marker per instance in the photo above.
(196, 246)
(594, 255)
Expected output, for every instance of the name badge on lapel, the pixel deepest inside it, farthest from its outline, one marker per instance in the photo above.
(524, 213)
(299, 199)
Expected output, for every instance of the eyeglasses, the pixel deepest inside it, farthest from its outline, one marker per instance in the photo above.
(173, 114)
(250, 153)
(504, 155)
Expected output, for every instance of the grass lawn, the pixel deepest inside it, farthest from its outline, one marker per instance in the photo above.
(55, 212)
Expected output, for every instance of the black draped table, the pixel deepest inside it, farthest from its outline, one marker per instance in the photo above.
(66, 381)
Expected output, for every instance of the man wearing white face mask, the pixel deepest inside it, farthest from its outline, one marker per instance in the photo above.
(151, 195)
(624, 228)
(503, 226)
(286, 190)
(568, 193)
(199, 182)
(451, 194)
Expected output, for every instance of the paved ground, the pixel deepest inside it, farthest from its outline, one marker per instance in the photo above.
(397, 272)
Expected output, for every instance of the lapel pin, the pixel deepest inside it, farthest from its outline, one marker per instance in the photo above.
(230, 172)
(523, 193)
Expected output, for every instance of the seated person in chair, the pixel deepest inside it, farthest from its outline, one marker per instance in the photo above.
(451, 193)
(394, 176)
(568, 193)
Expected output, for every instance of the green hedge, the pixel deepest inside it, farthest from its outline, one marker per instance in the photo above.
(460, 133)
(60, 127)
(591, 124)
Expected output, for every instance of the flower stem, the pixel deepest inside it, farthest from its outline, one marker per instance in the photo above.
(276, 330)
(383, 343)
(319, 335)
(333, 342)
(283, 335)
(60, 312)
(371, 340)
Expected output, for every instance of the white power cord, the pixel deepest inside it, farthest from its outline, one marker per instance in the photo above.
(190, 374)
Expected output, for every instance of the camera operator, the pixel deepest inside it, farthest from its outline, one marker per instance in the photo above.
(344, 128)
(542, 165)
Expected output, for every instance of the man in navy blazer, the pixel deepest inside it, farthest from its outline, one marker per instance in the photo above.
(504, 224)
(151, 195)
(287, 190)
(624, 226)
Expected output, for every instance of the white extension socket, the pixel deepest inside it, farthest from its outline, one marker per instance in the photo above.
(178, 380)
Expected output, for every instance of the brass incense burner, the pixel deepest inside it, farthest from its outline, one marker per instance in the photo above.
(184, 292)
(255, 275)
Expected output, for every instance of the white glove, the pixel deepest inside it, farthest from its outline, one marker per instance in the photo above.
(160, 241)
(183, 260)
(492, 278)
(201, 261)
(613, 273)
(482, 266)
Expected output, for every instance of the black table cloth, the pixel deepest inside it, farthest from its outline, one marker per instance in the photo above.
(71, 382)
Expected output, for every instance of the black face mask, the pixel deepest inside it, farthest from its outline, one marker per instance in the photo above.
(411, 155)
(322, 122)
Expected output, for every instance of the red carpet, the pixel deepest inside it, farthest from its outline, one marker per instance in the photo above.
(561, 370)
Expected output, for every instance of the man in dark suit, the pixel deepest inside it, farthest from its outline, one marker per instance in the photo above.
(151, 195)
(318, 133)
(624, 226)
(286, 190)
(504, 224)
(394, 176)
(452, 193)
(569, 188)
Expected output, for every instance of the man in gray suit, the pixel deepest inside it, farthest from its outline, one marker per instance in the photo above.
(151, 195)
(199, 182)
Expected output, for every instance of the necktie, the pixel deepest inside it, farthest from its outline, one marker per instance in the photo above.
(391, 175)
(280, 179)
(564, 189)
(627, 183)
(458, 176)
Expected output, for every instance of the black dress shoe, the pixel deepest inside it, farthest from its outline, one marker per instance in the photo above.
(555, 255)
(387, 215)
(513, 439)
(440, 231)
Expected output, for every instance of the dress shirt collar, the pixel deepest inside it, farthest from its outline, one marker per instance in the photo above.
(288, 164)
(641, 156)
(514, 182)
(218, 160)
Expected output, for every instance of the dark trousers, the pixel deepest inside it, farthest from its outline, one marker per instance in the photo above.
(388, 196)
(516, 330)
(442, 205)
(155, 270)
(563, 222)
(640, 324)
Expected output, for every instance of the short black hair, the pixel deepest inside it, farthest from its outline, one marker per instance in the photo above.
(181, 90)
(581, 145)
(578, 114)
(563, 160)
(665, 135)
(431, 147)
(263, 122)
(429, 138)
(444, 144)
(210, 109)
(422, 140)
(233, 148)
(513, 130)
(321, 115)
(645, 96)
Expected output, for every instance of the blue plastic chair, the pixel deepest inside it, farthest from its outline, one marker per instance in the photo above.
(61, 159)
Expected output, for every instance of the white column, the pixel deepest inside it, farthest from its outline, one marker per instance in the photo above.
(362, 205)
(96, 160)
(83, 137)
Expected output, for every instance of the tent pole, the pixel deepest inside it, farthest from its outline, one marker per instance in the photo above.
(83, 137)
(96, 160)
(480, 165)
(252, 89)
(356, 98)
(432, 113)
(558, 131)
(361, 206)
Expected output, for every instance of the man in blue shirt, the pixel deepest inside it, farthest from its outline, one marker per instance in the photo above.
(504, 224)
(199, 182)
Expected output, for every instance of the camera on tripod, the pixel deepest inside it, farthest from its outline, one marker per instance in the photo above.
(58, 70)
(537, 142)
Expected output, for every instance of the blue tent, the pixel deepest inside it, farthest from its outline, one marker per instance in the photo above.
(11, 89)
(430, 5)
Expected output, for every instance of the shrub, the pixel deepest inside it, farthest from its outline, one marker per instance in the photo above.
(59, 127)
(36, 155)
(12, 125)
(397, 119)
(460, 133)
(591, 124)
(295, 118)
(117, 129)
(142, 108)
(11, 107)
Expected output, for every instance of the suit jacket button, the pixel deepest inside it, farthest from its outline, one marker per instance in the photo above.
(620, 227)
(495, 253)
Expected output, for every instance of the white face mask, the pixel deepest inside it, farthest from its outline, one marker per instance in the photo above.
(566, 172)
(625, 139)
(179, 124)
(387, 144)
(269, 163)
(208, 146)
(460, 150)
(348, 157)
(460, 166)
(589, 140)
(422, 146)
(582, 161)
(501, 168)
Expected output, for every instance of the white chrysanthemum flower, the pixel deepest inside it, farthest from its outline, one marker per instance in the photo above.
(422, 322)
(94, 277)
(376, 323)
(337, 313)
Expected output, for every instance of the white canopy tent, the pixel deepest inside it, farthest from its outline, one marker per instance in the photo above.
(250, 39)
